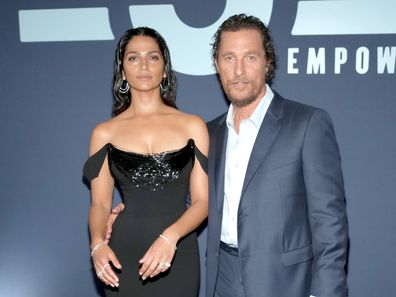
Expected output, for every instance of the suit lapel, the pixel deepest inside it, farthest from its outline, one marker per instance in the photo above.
(220, 154)
(267, 134)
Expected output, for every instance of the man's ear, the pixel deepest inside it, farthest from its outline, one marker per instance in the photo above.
(217, 67)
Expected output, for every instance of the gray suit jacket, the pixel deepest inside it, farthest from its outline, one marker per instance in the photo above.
(292, 226)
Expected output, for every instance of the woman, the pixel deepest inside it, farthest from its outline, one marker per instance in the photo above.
(153, 153)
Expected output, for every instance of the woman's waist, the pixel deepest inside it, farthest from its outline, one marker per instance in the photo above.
(153, 209)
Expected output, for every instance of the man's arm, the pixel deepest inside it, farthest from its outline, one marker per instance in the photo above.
(326, 207)
(111, 219)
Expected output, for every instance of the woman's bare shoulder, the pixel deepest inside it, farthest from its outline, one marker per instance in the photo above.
(102, 134)
(190, 119)
(196, 129)
(104, 129)
(195, 122)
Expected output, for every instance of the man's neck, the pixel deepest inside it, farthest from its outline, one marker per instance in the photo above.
(245, 112)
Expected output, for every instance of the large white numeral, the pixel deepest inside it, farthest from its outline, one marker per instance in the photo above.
(337, 17)
(190, 47)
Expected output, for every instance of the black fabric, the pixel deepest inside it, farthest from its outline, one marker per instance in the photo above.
(154, 188)
(203, 160)
(94, 164)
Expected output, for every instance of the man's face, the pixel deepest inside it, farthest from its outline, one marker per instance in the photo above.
(242, 65)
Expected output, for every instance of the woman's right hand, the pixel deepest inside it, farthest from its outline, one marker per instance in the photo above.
(101, 257)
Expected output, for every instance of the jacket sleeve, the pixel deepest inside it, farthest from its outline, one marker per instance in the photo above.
(326, 207)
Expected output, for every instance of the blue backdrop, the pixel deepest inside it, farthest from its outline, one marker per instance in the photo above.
(56, 69)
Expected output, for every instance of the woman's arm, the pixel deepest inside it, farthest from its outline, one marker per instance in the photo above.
(101, 200)
(162, 250)
(198, 211)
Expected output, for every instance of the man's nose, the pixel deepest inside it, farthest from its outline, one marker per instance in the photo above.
(239, 68)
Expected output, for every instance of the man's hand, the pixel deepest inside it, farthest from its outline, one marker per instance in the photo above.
(111, 219)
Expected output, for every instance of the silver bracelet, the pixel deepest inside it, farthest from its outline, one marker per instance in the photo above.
(96, 247)
(169, 241)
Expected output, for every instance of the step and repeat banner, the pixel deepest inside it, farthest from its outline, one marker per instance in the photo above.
(56, 60)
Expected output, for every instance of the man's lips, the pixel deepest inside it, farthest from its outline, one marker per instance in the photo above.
(239, 81)
(239, 84)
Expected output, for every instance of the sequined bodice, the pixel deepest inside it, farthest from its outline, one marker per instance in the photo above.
(149, 171)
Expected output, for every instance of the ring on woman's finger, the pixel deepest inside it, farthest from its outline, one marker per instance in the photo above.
(106, 265)
(99, 274)
(167, 265)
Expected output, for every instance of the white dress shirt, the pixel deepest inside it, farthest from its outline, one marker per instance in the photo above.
(239, 148)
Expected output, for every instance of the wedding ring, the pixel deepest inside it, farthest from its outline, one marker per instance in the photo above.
(106, 265)
(166, 264)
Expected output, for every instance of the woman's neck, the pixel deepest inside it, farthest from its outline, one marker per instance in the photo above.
(145, 103)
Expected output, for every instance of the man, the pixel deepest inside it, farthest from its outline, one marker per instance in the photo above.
(277, 220)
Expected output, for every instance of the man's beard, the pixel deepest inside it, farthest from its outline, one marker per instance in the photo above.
(243, 102)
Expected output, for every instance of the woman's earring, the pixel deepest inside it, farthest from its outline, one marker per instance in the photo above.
(124, 87)
(166, 83)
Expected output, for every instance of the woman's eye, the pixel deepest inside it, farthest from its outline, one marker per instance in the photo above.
(154, 58)
(132, 58)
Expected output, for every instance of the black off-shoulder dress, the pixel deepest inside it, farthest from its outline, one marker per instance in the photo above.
(154, 189)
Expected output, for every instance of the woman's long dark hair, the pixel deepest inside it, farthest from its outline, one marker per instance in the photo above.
(168, 91)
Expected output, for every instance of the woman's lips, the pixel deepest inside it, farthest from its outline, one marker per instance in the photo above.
(143, 77)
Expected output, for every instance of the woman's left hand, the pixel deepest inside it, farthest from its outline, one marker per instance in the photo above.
(158, 258)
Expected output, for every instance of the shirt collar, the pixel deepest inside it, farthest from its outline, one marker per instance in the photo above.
(258, 115)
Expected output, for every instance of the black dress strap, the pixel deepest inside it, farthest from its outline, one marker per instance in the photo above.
(203, 160)
(94, 163)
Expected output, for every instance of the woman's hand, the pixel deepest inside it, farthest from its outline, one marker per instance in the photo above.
(158, 258)
(101, 257)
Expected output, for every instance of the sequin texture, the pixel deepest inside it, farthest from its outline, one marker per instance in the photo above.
(150, 171)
